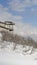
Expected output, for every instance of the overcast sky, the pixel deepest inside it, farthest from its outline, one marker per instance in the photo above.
(22, 12)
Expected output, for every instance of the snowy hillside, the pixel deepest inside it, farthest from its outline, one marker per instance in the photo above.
(15, 52)
(10, 57)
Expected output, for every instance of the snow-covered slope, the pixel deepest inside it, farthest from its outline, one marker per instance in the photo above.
(8, 56)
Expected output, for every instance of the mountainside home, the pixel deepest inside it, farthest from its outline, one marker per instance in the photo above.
(7, 25)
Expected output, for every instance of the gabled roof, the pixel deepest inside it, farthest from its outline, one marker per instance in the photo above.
(7, 23)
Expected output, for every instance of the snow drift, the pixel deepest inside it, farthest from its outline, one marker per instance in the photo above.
(17, 50)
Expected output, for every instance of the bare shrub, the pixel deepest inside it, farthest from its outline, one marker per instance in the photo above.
(6, 36)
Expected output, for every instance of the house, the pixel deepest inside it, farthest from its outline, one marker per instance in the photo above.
(7, 25)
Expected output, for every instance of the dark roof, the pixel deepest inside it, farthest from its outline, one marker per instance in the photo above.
(8, 23)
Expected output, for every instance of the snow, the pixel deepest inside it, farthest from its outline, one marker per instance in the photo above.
(10, 57)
